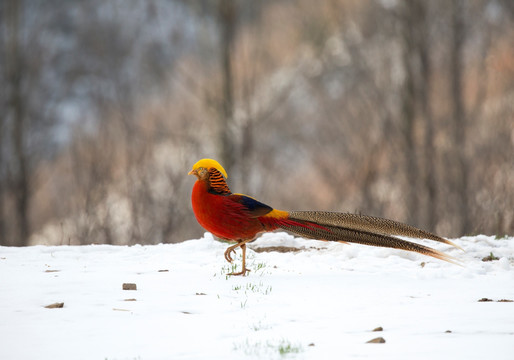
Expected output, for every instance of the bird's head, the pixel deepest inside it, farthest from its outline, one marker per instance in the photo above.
(201, 169)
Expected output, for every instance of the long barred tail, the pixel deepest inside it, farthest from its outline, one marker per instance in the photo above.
(361, 229)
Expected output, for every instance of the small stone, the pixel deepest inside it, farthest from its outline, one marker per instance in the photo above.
(380, 328)
(130, 300)
(164, 270)
(200, 293)
(378, 340)
(129, 286)
(505, 300)
(484, 300)
(55, 306)
(490, 257)
(311, 344)
(448, 331)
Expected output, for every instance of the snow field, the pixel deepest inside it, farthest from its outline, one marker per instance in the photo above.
(318, 303)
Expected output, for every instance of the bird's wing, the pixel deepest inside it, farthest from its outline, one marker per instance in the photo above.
(251, 206)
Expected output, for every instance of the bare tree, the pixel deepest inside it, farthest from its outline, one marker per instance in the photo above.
(458, 116)
(18, 114)
(425, 108)
(417, 115)
(227, 16)
(3, 124)
(408, 106)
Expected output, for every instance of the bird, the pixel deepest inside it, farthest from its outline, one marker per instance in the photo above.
(240, 219)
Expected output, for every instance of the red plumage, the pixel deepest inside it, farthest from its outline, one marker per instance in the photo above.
(225, 215)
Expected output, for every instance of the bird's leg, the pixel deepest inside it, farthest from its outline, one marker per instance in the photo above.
(228, 256)
(245, 270)
(233, 248)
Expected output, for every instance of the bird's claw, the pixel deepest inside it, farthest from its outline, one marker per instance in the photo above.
(228, 255)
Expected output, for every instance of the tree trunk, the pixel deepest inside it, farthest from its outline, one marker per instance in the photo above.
(408, 113)
(227, 23)
(460, 181)
(17, 111)
(429, 173)
(3, 178)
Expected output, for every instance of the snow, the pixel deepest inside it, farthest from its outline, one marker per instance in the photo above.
(321, 302)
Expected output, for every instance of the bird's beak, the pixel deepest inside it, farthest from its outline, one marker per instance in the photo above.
(192, 172)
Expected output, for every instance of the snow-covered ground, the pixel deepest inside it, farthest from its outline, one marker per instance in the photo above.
(318, 303)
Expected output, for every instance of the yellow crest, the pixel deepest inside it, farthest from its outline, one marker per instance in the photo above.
(210, 163)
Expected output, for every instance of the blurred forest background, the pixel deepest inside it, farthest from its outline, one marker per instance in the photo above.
(399, 109)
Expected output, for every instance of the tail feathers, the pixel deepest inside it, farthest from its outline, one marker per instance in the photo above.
(361, 229)
(366, 223)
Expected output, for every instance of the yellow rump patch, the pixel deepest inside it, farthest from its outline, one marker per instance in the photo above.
(278, 214)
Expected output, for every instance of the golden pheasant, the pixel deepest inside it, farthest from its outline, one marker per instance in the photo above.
(240, 218)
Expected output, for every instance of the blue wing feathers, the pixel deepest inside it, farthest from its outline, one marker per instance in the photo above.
(254, 207)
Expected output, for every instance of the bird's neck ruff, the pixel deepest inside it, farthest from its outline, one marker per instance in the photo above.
(217, 183)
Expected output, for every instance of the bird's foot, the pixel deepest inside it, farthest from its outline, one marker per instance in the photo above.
(240, 273)
(229, 251)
